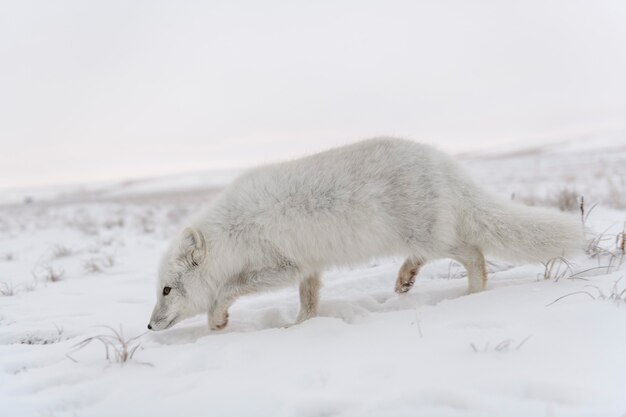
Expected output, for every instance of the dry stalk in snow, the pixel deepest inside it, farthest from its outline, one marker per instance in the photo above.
(117, 347)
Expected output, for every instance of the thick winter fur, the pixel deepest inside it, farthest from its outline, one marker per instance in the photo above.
(286, 223)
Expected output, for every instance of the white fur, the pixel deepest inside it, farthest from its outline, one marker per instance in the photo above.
(288, 222)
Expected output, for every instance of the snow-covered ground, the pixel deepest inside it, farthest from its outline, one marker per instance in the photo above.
(75, 259)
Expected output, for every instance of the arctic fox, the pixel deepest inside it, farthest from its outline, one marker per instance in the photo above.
(286, 223)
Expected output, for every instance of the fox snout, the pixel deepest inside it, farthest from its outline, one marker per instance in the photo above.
(160, 319)
(163, 322)
(158, 325)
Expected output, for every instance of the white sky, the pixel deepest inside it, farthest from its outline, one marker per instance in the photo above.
(93, 90)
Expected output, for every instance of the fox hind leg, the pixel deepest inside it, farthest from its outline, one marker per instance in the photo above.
(309, 297)
(473, 261)
(407, 273)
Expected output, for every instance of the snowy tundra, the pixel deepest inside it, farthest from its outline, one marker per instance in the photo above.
(541, 341)
(289, 222)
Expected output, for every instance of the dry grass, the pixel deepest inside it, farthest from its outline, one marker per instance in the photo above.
(117, 222)
(94, 265)
(456, 270)
(584, 212)
(616, 294)
(7, 289)
(610, 189)
(608, 249)
(60, 251)
(620, 240)
(117, 347)
(557, 268)
(507, 345)
(47, 273)
(37, 339)
(565, 199)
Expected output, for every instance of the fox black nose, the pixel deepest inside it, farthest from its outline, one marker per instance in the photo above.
(149, 327)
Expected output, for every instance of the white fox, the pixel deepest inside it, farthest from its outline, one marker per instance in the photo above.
(288, 222)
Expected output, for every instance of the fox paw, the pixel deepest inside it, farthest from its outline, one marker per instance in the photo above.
(405, 281)
(219, 325)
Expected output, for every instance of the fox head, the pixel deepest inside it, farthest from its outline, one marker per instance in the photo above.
(180, 286)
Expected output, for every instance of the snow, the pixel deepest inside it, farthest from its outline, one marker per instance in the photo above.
(436, 351)
(147, 187)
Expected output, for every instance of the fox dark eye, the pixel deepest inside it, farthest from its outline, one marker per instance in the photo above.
(166, 290)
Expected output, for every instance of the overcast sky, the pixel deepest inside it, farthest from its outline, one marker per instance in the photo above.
(93, 90)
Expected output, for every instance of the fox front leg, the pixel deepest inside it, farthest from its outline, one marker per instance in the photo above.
(309, 297)
(247, 282)
(217, 321)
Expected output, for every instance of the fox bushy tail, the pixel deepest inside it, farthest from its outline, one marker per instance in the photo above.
(516, 232)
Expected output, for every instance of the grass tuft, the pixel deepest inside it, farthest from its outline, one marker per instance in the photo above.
(48, 273)
(55, 337)
(507, 345)
(94, 265)
(7, 289)
(60, 251)
(557, 268)
(117, 348)
(565, 199)
(616, 294)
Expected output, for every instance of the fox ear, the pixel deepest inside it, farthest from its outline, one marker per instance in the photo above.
(193, 246)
